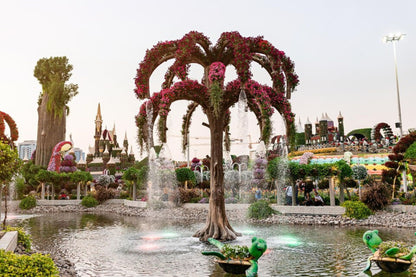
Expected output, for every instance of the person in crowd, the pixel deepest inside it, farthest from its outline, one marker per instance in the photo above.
(318, 201)
(289, 194)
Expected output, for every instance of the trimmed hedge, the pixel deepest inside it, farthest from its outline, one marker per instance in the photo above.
(89, 201)
(260, 209)
(356, 209)
(35, 265)
(22, 237)
(27, 203)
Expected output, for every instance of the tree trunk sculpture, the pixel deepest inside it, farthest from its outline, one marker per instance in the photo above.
(215, 99)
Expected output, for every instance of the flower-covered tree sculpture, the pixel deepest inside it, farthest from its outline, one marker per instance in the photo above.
(215, 98)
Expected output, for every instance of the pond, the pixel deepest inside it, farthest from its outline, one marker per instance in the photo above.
(112, 245)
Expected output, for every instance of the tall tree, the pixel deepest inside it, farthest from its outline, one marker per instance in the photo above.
(52, 74)
(215, 99)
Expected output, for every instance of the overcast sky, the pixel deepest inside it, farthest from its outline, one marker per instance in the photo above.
(337, 47)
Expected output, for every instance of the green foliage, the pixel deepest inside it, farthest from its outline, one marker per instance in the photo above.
(20, 187)
(29, 171)
(300, 138)
(136, 175)
(294, 169)
(260, 209)
(365, 132)
(359, 172)
(376, 196)
(185, 174)
(9, 162)
(89, 201)
(52, 74)
(131, 174)
(80, 177)
(410, 153)
(235, 251)
(356, 209)
(344, 169)
(386, 245)
(27, 203)
(23, 238)
(35, 265)
(273, 168)
(216, 96)
(267, 129)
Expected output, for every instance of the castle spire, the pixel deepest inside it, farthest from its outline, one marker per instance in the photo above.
(98, 117)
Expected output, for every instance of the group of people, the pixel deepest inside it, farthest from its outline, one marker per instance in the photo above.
(306, 188)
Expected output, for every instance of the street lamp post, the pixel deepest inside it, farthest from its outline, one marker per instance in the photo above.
(394, 38)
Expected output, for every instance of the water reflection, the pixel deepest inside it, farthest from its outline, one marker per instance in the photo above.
(110, 245)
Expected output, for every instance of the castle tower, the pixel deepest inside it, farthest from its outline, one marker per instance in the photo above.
(317, 126)
(323, 129)
(98, 131)
(308, 132)
(114, 135)
(131, 155)
(125, 142)
(341, 127)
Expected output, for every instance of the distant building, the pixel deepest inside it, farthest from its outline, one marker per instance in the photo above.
(26, 148)
(107, 152)
(325, 130)
(78, 154)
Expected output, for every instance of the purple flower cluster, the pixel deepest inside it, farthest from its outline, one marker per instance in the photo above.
(259, 171)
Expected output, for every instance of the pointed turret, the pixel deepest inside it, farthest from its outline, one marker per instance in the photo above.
(126, 142)
(299, 128)
(98, 130)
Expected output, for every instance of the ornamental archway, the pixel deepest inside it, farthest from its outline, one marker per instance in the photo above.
(376, 131)
(14, 133)
(215, 98)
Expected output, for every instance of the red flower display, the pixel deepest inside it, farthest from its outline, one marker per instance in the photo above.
(14, 133)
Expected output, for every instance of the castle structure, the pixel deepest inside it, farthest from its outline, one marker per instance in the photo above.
(107, 153)
(325, 130)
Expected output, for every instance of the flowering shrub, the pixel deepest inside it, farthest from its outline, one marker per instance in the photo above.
(68, 164)
(305, 158)
(259, 171)
(216, 72)
(14, 133)
(314, 151)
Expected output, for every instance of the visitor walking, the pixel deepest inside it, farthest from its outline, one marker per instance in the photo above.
(289, 194)
(257, 195)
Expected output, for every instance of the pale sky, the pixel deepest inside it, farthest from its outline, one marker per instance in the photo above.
(336, 46)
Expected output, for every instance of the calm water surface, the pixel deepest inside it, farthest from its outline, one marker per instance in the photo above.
(107, 245)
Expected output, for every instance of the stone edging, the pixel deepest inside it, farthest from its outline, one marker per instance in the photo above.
(9, 241)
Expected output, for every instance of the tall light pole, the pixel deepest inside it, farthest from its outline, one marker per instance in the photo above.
(394, 38)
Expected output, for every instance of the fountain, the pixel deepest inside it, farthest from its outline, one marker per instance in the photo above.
(161, 185)
(282, 177)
